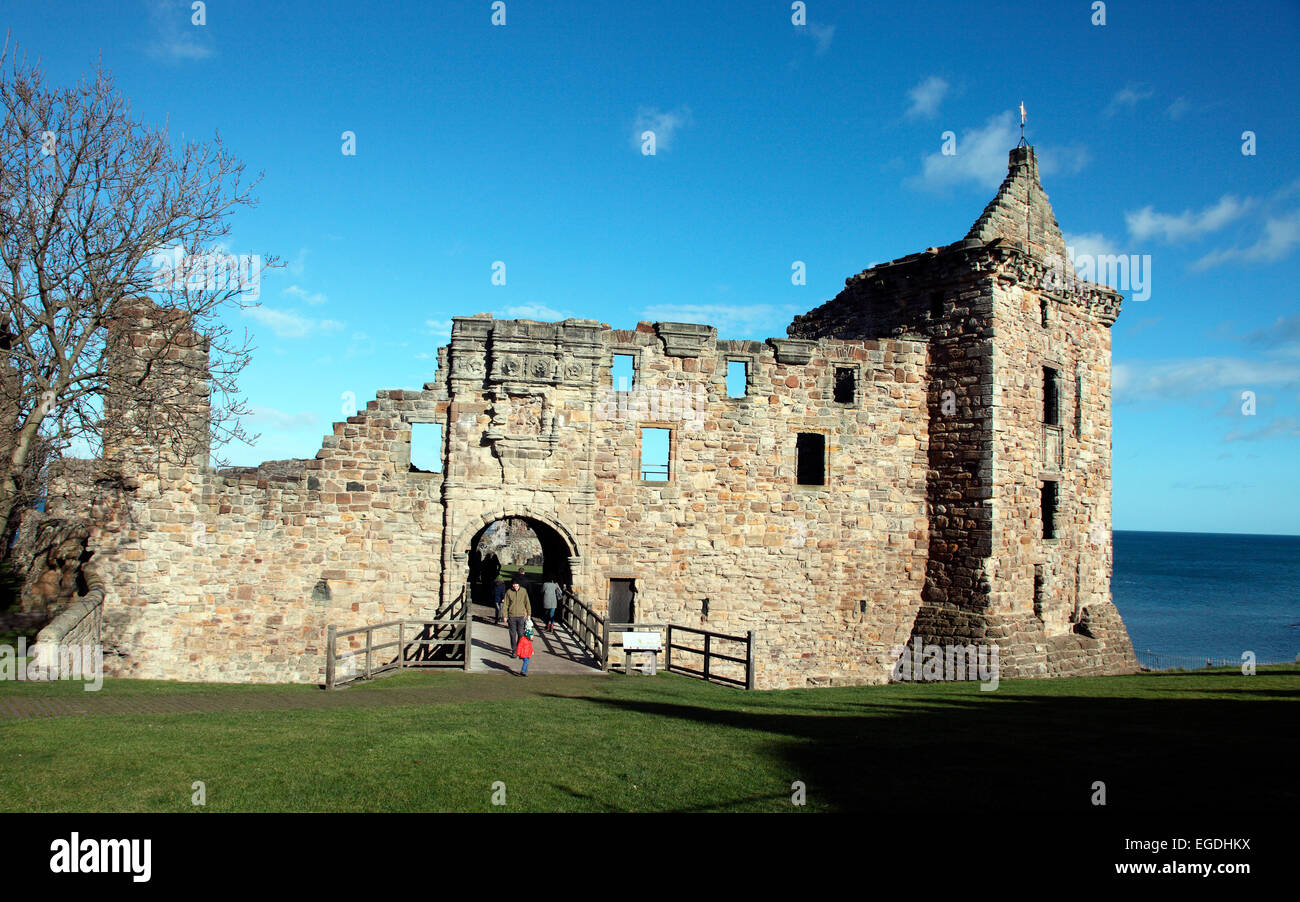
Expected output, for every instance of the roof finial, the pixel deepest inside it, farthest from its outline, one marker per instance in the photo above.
(1022, 125)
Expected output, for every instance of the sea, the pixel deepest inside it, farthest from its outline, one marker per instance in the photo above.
(1189, 599)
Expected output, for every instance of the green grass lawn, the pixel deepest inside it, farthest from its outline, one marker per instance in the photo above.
(1205, 741)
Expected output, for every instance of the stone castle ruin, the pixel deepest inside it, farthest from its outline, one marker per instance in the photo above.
(926, 456)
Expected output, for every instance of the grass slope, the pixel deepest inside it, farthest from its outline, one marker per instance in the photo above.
(437, 742)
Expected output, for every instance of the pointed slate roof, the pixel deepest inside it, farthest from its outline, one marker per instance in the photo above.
(1021, 213)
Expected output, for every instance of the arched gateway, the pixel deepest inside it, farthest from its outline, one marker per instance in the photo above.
(512, 543)
(558, 550)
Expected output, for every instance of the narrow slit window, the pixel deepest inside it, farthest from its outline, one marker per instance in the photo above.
(1051, 397)
(624, 372)
(810, 448)
(1051, 498)
(936, 305)
(1078, 406)
(737, 378)
(846, 384)
(656, 445)
(426, 448)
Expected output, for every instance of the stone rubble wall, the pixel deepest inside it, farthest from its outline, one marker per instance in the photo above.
(795, 563)
(979, 307)
(235, 577)
(929, 526)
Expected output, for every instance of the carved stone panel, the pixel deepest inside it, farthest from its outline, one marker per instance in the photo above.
(540, 368)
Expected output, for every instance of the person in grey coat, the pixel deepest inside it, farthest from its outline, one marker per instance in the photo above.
(550, 600)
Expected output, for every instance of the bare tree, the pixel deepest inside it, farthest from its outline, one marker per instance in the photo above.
(98, 211)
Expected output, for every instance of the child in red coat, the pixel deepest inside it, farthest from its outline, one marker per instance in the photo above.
(525, 649)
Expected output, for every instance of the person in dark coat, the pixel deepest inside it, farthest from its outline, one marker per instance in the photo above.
(498, 593)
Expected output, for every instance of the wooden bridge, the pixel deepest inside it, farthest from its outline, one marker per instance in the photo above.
(466, 638)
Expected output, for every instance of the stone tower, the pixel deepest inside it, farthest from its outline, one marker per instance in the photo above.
(156, 406)
(1019, 484)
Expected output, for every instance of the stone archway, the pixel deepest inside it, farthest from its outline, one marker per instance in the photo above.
(465, 541)
(479, 547)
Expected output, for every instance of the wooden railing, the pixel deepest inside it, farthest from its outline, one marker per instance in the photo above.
(430, 643)
(588, 627)
(674, 652)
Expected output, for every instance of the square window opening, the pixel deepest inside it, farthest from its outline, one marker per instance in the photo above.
(656, 444)
(810, 448)
(846, 384)
(426, 448)
(737, 378)
(624, 372)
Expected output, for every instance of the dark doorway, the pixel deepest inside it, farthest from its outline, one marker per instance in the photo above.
(622, 601)
(506, 546)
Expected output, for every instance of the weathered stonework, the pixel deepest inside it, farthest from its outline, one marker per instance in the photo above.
(995, 313)
(927, 523)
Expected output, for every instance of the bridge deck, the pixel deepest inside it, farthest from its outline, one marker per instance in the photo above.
(557, 652)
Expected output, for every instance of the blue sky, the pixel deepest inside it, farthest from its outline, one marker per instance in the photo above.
(776, 143)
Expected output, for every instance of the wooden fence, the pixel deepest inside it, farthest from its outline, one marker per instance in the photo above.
(397, 644)
(705, 654)
(588, 627)
(675, 651)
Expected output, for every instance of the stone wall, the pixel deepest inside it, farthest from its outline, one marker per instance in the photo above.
(996, 311)
(927, 524)
(235, 577)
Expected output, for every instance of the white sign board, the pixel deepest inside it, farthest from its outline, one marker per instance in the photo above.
(642, 642)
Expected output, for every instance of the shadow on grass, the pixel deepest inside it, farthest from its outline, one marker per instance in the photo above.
(1025, 752)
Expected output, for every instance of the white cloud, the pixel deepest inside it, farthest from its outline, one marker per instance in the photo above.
(1180, 380)
(1147, 322)
(1281, 236)
(174, 37)
(664, 125)
(287, 324)
(532, 311)
(439, 329)
(1188, 225)
(820, 34)
(1094, 244)
(1281, 427)
(731, 320)
(306, 296)
(1127, 98)
(1283, 333)
(1063, 158)
(279, 419)
(298, 264)
(981, 156)
(1178, 108)
(926, 98)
